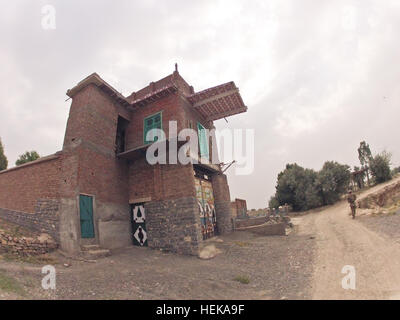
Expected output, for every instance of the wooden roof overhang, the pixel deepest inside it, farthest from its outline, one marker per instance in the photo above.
(154, 95)
(218, 102)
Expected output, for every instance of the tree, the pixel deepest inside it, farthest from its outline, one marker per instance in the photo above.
(295, 186)
(273, 203)
(365, 156)
(380, 167)
(333, 181)
(28, 156)
(395, 171)
(359, 176)
(3, 158)
(306, 189)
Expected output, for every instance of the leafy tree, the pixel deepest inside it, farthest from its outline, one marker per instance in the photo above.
(305, 189)
(365, 156)
(28, 156)
(333, 181)
(380, 167)
(273, 202)
(295, 186)
(395, 171)
(358, 177)
(3, 158)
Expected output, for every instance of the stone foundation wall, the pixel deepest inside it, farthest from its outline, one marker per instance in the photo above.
(242, 223)
(45, 219)
(24, 246)
(222, 202)
(275, 229)
(174, 225)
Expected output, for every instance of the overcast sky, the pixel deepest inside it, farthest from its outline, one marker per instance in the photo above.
(317, 76)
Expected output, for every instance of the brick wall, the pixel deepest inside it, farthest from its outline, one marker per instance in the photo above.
(171, 111)
(93, 118)
(239, 208)
(160, 181)
(22, 186)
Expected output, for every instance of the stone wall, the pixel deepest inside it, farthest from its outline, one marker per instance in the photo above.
(26, 246)
(174, 225)
(45, 219)
(242, 223)
(222, 202)
(266, 229)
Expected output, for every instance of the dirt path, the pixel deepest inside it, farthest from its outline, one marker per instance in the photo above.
(342, 241)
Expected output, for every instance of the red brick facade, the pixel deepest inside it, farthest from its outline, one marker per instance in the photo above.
(21, 187)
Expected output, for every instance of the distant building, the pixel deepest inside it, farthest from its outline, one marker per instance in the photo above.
(239, 208)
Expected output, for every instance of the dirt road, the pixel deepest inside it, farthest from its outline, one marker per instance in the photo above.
(342, 241)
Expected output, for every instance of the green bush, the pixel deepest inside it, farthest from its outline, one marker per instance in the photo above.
(380, 167)
(306, 189)
(28, 156)
(3, 158)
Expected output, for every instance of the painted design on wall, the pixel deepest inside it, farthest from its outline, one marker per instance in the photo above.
(138, 219)
(205, 200)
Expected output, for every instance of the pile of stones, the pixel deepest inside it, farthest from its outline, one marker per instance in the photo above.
(26, 246)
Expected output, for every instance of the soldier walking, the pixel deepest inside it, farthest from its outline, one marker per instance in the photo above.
(351, 198)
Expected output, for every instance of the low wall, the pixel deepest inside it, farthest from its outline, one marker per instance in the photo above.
(45, 219)
(243, 223)
(384, 197)
(24, 246)
(267, 229)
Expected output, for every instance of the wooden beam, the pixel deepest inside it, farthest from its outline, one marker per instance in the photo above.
(218, 96)
(226, 113)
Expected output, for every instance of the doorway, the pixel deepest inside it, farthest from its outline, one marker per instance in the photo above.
(138, 221)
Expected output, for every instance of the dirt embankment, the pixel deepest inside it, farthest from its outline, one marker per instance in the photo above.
(387, 196)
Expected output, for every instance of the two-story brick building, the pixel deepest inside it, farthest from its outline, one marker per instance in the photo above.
(101, 190)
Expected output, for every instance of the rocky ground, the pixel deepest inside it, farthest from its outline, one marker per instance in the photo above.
(248, 267)
(384, 224)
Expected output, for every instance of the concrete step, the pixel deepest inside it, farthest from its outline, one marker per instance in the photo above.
(88, 247)
(96, 254)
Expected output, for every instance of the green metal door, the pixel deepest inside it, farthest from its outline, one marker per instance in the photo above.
(86, 216)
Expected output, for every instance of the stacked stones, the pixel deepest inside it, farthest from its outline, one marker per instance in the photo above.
(26, 246)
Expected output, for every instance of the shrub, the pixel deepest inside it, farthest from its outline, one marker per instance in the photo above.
(380, 167)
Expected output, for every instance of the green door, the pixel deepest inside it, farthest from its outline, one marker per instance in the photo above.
(86, 216)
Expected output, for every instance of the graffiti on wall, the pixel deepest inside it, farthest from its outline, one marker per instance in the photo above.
(205, 200)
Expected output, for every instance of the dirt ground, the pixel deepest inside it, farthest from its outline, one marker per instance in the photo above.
(276, 267)
(342, 241)
(306, 264)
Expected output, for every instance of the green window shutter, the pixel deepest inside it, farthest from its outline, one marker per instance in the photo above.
(203, 141)
(151, 122)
